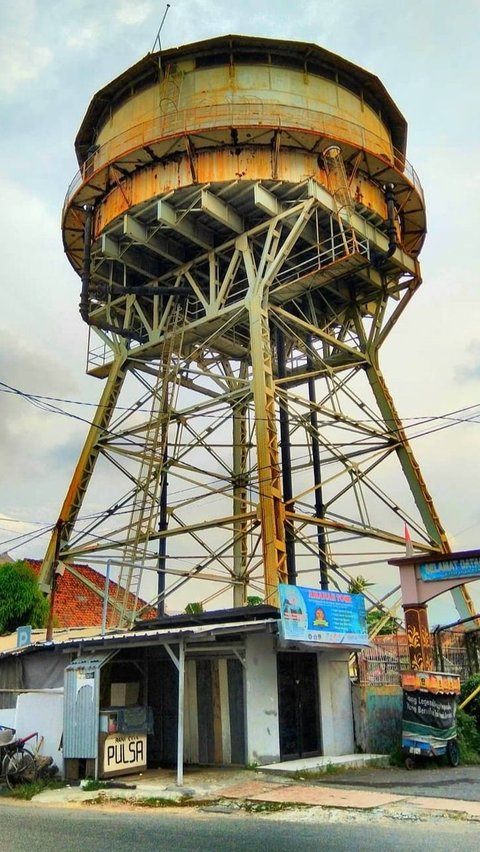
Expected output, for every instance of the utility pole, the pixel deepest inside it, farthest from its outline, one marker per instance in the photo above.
(58, 530)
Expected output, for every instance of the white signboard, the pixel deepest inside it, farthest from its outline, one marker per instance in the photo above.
(124, 753)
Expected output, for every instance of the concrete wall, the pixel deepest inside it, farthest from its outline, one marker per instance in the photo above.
(336, 713)
(7, 718)
(378, 717)
(42, 712)
(261, 699)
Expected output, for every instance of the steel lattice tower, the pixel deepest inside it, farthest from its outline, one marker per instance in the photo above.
(246, 228)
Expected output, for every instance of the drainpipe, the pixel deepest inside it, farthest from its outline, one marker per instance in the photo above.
(162, 542)
(381, 257)
(85, 276)
(317, 470)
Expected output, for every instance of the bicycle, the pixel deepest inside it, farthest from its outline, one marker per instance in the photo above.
(18, 764)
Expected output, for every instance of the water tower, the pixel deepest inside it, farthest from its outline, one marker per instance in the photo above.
(246, 228)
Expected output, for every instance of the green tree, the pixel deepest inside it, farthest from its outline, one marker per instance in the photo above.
(194, 608)
(373, 618)
(357, 585)
(21, 601)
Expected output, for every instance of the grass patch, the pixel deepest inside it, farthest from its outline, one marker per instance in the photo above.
(92, 784)
(318, 774)
(33, 788)
(268, 807)
(150, 801)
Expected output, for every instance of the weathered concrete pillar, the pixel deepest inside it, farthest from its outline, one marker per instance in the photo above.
(419, 640)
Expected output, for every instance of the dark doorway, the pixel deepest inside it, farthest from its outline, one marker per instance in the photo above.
(298, 705)
(163, 699)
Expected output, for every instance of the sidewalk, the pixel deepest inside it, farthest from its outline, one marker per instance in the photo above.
(374, 792)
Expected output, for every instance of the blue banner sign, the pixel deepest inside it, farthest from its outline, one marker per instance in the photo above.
(315, 615)
(24, 635)
(450, 569)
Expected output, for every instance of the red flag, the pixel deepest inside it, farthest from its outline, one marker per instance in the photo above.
(408, 543)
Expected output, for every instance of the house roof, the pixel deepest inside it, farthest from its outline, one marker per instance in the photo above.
(79, 596)
(84, 642)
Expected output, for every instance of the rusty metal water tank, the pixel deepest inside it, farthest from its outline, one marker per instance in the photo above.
(246, 227)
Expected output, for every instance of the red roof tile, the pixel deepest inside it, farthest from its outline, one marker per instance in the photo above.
(77, 605)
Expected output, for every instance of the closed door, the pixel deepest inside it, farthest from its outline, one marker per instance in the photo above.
(298, 705)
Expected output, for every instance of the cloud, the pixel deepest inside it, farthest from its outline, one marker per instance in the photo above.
(130, 13)
(85, 36)
(22, 61)
(471, 371)
(24, 57)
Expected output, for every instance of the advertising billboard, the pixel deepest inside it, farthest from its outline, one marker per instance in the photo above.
(323, 617)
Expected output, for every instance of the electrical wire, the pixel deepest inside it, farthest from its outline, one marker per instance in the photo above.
(43, 402)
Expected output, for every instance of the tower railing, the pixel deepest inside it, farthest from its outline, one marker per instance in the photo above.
(187, 121)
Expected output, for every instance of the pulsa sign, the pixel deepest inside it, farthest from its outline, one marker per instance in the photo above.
(124, 753)
(318, 615)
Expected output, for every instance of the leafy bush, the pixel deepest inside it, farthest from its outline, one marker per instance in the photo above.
(254, 600)
(21, 601)
(468, 737)
(473, 707)
(194, 607)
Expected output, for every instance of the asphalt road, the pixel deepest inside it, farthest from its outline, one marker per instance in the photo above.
(25, 828)
(461, 782)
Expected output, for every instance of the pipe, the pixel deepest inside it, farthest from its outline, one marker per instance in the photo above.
(181, 711)
(380, 258)
(87, 256)
(148, 290)
(162, 542)
(105, 598)
(85, 277)
(317, 470)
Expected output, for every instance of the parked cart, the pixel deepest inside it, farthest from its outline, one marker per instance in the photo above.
(429, 727)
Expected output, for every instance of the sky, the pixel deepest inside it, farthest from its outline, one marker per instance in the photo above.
(55, 54)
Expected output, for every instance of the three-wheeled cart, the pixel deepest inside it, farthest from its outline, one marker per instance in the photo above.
(429, 725)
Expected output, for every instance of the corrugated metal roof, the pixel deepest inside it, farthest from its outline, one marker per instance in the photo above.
(148, 637)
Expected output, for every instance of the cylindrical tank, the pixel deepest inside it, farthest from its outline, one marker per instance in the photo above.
(228, 113)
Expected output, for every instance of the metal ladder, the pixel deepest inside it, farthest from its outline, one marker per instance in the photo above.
(340, 191)
(145, 509)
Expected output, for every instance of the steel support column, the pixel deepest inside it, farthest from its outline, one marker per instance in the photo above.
(271, 508)
(286, 462)
(85, 467)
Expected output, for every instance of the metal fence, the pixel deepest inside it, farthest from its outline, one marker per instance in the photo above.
(455, 652)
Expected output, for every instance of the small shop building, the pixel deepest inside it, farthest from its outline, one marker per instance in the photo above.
(216, 688)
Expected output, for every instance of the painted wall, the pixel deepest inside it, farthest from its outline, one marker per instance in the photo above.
(42, 712)
(378, 717)
(336, 713)
(7, 718)
(262, 734)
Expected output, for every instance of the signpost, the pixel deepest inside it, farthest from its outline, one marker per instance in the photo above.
(24, 636)
(124, 753)
(450, 569)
